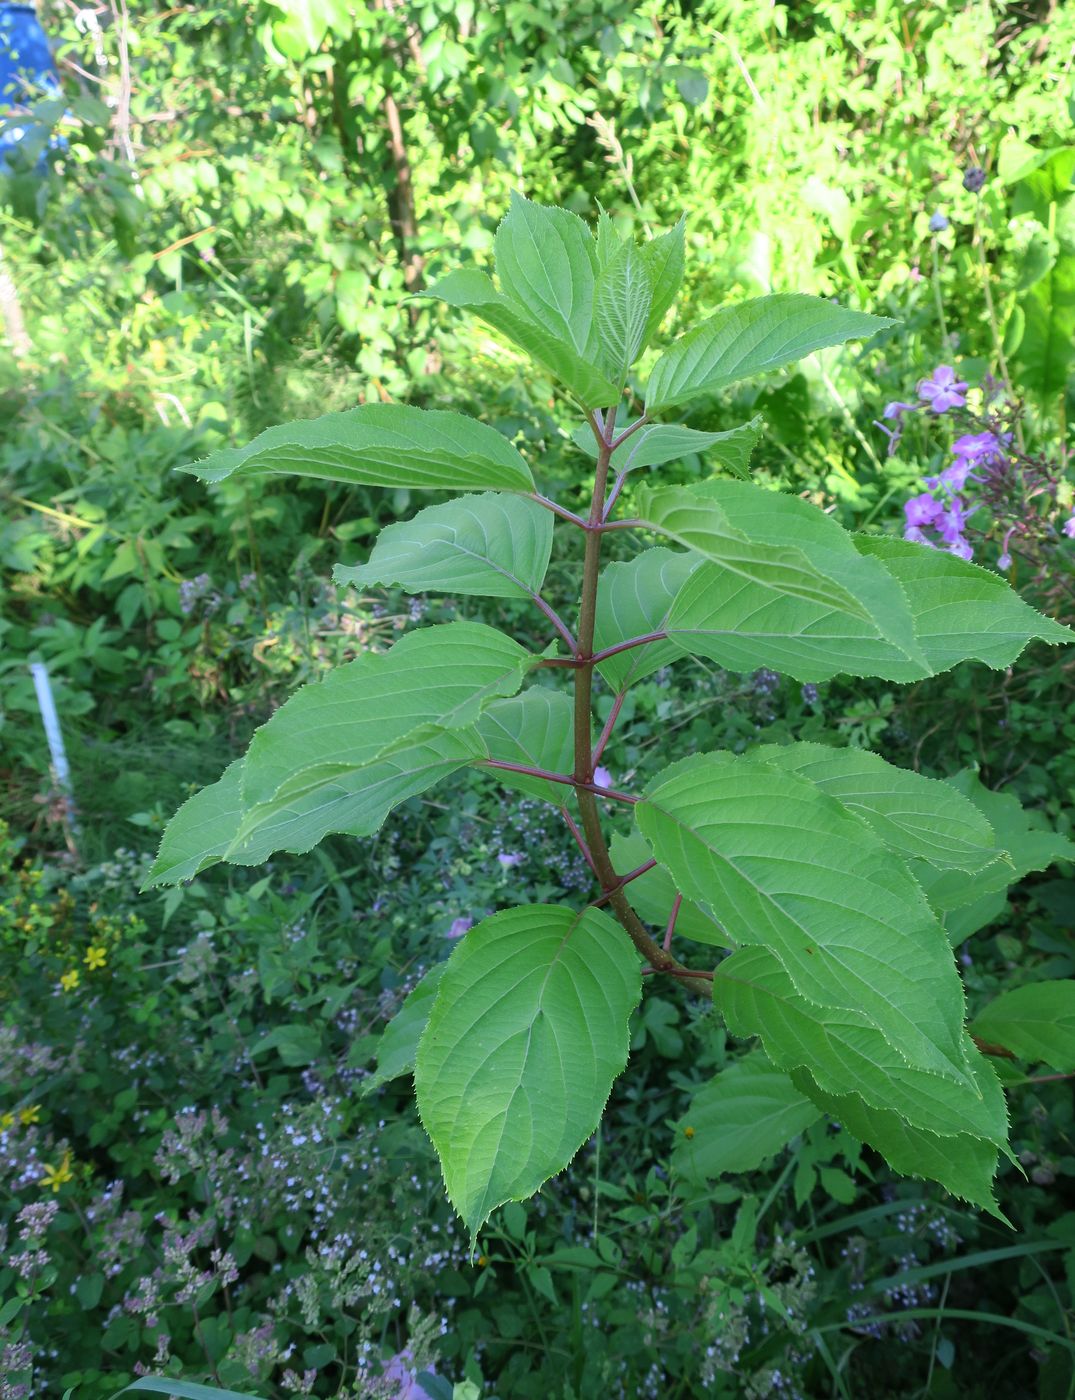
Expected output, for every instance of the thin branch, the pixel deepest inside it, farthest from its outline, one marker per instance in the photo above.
(627, 432)
(624, 525)
(614, 493)
(557, 509)
(556, 620)
(627, 645)
(573, 827)
(621, 880)
(564, 778)
(672, 922)
(610, 724)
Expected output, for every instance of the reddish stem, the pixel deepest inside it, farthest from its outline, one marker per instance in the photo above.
(565, 778)
(610, 724)
(672, 922)
(573, 827)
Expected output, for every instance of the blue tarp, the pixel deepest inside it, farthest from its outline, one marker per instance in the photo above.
(27, 72)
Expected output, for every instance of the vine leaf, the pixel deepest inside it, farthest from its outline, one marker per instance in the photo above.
(493, 546)
(379, 444)
(527, 1033)
(742, 341)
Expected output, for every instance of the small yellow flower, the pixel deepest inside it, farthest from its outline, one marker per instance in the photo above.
(688, 1131)
(29, 1115)
(54, 1177)
(96, 957)
(6, 1121)
(70, 980)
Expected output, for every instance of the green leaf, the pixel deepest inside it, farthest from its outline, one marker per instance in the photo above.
(379, 444)
(536, 729)
(608, 240)
(807, 608)
(184, 1390)
(399, 1040)
(1046, 350)
(784, 865)
(494, 546)
(443, 676)
(961, 612)
(745, 1114)
(759, 335)
(634, 599)
(663, 258)
(651, 895)
(621, 307)
(474, 291)
(546, 263)
(847, 1055)
(1036, 1022)
(657, 443)
(1023, 846)
(352, 798)
(201, 830)
(913, 815)
(962, 1163)
(296, 1044)
(527, 1034)
(339, 755)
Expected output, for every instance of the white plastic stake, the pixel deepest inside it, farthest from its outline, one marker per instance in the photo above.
(51, 720)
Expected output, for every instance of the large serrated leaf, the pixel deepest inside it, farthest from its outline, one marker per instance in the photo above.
(961, 612)
(492, 546)
(535, 729)
(742, 341)
(473, 291)
(784, 865)
(663, 258)
(783, 587)
(621, 308)
(339, 755)
(441, 675)
(379, 444)
(546, 263)
(913, 815)
(745, 1114)
(1036, 1022)
(201, 830)
(846, 1054)
(962, 1163)
(633, 600)
(527, 1033)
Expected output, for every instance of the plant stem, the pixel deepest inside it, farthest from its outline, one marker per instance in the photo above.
(584, 760)
(610, 724)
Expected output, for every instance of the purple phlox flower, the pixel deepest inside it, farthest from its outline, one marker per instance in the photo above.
(916, 536)
(977, 447)
(953, 478)
(937, 222)
(950, 523)
(1069, 527)
(961, 549)
(942, 390)
(459, 926)
(602, 777)
(510, 859)
(922, 510)
(399, 1370)
(1005, 559)
(897, 408)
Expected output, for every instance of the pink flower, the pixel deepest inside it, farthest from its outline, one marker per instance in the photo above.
(602, 777)
(459, 927)
(1069, 527)
(942, 390)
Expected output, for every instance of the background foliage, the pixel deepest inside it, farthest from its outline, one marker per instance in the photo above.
(245, 196)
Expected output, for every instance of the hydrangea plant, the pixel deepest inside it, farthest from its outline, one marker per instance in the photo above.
(813, 890)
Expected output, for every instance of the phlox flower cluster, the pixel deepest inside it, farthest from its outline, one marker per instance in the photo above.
(988, 476)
